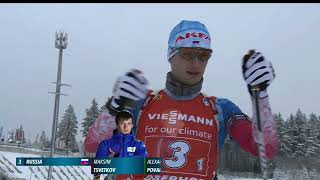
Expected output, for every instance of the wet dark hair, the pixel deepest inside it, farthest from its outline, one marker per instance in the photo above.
(123, 115)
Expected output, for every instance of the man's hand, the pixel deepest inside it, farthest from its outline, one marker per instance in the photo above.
(127, 90)
(257, 71)
(112, 153)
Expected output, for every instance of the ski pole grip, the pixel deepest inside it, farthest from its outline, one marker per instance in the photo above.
(255, 89)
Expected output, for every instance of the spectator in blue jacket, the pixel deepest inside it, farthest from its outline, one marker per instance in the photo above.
(122, 143)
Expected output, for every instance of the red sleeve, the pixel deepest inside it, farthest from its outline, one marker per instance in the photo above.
(101, 129)
(240, 131)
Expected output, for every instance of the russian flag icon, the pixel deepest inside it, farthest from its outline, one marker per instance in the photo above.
(84, 161)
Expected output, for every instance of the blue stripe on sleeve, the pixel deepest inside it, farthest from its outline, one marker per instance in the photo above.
(226, 109)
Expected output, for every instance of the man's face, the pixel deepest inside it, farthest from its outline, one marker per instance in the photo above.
(189, 64)
(125, 126)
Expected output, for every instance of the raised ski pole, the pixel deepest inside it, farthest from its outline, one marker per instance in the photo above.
(260, 143)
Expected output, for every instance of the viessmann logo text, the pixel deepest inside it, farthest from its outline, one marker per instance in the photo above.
(173, 116)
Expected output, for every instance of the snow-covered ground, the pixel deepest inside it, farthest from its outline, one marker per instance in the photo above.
(280, 173)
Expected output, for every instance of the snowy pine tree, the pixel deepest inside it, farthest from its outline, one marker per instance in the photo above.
(19, 135)
(67, 128)
(103, 107)
(1, 130)
(318, 136)
(281, 129)
(314, 122)
(300, 136)
(312, 130)
(91, 115)
(11, 135)
(43, 138)
(289, 137)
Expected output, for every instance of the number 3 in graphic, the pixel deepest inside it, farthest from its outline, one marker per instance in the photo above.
(180, 149)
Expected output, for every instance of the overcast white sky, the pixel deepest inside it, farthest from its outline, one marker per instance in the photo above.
(105, 40)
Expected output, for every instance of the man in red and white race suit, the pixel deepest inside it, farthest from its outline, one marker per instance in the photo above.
(181, 124)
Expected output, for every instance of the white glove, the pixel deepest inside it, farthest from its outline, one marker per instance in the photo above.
(128, 89)
(257, 71)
